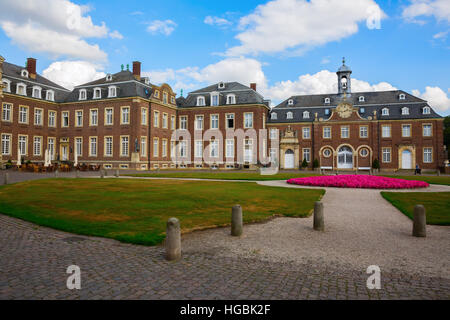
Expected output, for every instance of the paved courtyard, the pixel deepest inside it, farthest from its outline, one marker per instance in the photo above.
(281, 259)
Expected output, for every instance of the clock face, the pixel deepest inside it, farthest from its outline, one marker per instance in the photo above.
(344, 110)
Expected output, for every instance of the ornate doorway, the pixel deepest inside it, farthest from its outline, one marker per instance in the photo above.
(345, 158)
(289, 159)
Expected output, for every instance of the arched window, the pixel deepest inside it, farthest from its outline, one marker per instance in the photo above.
(273, 116)
(24, 73)
(289, 115)
(50, 95)
(221, 85)
(327, 100)
(109, 77)
(7, 84)
(385, 112)
(290, 102)
(402, 96)
(21, 89)
(426, 110)
(200, 101)
(97, 93)
(344, 82)
(361, 99)
(231, 99)
(83, 94)
(306, 114)
(36, 92)
(405, 111)
(112, 92)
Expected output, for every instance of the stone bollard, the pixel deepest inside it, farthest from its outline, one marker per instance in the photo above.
(117, 173)
(77, 174)
(102, 174)
(173, 239)
(438, 172)
(56, 173)
(236, 221)
(7, 178)
(420, 221)
(319, 224)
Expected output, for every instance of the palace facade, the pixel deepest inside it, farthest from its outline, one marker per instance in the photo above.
(124, 121)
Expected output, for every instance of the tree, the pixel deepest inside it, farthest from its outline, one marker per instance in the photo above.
(315, 163)
(304, 163)
(447, 132)
(376, 164)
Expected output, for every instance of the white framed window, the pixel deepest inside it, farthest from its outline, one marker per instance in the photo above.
(214, 121)
(305, 114)
(6, 144)
(364, 152)
(307, 154)
(23, 145)
(51, 147)
(109, 77)
(125, 117)
(21, 89)
(24, 73)
(23, 114)
(221, 85)
(229, 153)
(248, 120)
(164, 121)
(427, 155)
(124, 146)
(112, 92)
(326, 132)
(426, 110)
(93, 146)
(82, 94)
(38, 116)
(200, 101)
(79, 146)
(65, 119)
(214, 148)
(427, 130)
(248, 150)
(345, 132)
(385, 112)
(172, 122)
(402, 96)
(37, 146)
(273, 133)
(289, 115)
(183, 149)
(79, 118)
(97, 93)
(405, 111)
(363, 131)
(143, 146)
(109, 116)
(273, 116)
(7, 112)
(230, 120)
(51, 118)
(93, 117)
(214, 99)
(108, 146)
(386, 131)
(164, 148)
(37, 92)
(386, 155)
(198, 122)
(231, 99)
(290, 102)
(172, 150)
(306, 132)
(7, 84)
(155, 147)
(406, 130)
(361, 99)
(327, 153)
(50, 95)
(198, 149)
(327, 100)
(156, 119)
(183, 122)
(165, 98)
(144, 116)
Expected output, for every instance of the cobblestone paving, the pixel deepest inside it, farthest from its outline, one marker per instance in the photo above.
(33, 262)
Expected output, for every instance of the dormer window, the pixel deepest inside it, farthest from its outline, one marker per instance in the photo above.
(200, 101)
(36, 92)
(362, 110)
(402, 96)
(221, 85)
(231, 99)
(290, 102)
(109, 77)
(50, 95)
(327, 100)
(146, 80)
(305, 114)
(426, 110)
(327, 112)
(21, 89)
(405, 111)
(362, 99)
(24, 73)
(7, 84)
(83, 95)
(289, 115)
(273, 116)
(97, 93)
(385, 112)
(112, 92)
(214, 99)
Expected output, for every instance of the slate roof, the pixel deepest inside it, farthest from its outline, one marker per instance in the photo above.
(243, 94)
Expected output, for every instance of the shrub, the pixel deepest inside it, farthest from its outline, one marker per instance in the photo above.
(304, 163)
(315, 163)
(376, 164)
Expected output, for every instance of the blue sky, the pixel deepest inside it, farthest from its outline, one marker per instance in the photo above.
(286, 46)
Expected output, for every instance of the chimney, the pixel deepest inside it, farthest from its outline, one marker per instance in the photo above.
(253, 86)
(137, 70)
(31, 67)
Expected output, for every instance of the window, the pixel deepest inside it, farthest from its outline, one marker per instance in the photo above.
(124, 146)
(200, 101)
(406, 130)
(198, 149)
(97, 93)
(248, 120)
(327, 100)
(427, 155)
(172, 100)
(364, 152)
(183, 149)
(385, 112)
(108, 146)
(23, 145)
(214, 121)
(362, 110)
(307, 154)
(327, 153)
(289, 115)
(156, 119)
(221, 85)
(144, 116)
(93, 146)
(164, 121)
(165, 97)
(24, 73)
(345, 132)
(79, 118)
(7, 84)
(155, 147)
(230, 148)
(172, 122)
(50, 95)
(230, 120)
(108, 77)
(198, 122)
(83, 94)
(109, 116)
(172, 149)
(361, 99)
(156, 94)
(6, 144)
(402, 96)
(38, 117)
(93, 117)
(273, 154)
(23, 114)
(273, 116)
(125, 118)
(248, 150)
(164, 148)
(327, 112)
(51, 148)
(427, 130)
(7, 112)
(405, 111)
(327, 132)
(215, 99)
(273, 133)
(290, 102)
(386, 131)
(426, 110)
(386, 154)
(37, 92)
(65, 119)
(143, 146)
(21, 89)
(305, 114)
(112, 92)
(363, 131)
(51, 118)
(79, 146)
(214, 148)
(183, 122)
(231, 99)
(306, 132)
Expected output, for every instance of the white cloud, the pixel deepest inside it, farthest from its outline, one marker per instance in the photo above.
(440, 9)
(54, 27)
(72, 73)
(297, 25)
(116, 35)
(165, 27)
(436, 97)
(441, 35)
(213, 20)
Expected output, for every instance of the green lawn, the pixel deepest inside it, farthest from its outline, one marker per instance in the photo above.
(437, 204)
(445, 180)
(252, 176)
(136, 211)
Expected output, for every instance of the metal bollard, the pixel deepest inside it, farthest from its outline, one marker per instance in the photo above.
(173, 239)
(420, 221)
(236, 220)
(318, 224)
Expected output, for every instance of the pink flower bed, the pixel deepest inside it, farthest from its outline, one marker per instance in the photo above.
(359, 181)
